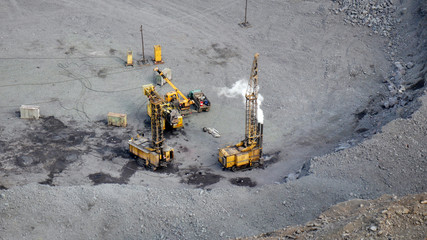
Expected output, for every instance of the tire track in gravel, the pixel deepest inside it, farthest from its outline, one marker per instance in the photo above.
(207, 26)
(15, 10)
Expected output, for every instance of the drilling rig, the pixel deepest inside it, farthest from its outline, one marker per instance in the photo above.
(170, 114)
(152, 153)
(247, 153)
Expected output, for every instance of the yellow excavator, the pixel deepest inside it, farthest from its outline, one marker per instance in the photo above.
(182, 103)
(153, 153)
(247, 153)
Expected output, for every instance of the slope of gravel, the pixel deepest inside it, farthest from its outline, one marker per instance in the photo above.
(387, 217)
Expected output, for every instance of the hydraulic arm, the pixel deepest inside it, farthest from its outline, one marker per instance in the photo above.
(184, 104)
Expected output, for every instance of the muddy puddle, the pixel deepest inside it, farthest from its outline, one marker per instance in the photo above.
(243, 182)
(126, 172)
(199, 178)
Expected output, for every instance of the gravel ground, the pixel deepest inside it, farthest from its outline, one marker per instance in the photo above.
(113, 211)
(345, 115)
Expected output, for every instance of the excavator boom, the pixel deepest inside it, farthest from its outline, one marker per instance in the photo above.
(156, 69)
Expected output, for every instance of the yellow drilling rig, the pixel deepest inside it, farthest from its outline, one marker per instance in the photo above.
(247, 153)
(170, 114)
(154, 153)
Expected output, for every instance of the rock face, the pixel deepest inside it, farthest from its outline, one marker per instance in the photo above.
(387, 217)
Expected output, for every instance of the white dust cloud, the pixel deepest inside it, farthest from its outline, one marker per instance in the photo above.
(239, 89)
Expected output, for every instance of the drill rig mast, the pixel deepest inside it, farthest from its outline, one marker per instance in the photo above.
(248, 152)
(156, 103)
(171, 115)
(252, 128)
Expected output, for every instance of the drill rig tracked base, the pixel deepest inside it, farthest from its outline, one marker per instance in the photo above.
(150, 157)
(239, 156)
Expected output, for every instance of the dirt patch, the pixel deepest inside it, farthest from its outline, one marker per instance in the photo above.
(361, 114)
(52, 124)
(219, 55)
(102, 178)
(71, 50)
(170, 169)
(113, 139)
(182, 149)
(48, 181)
(60, 163)
(127, 171)
(102, 73)
(224, 52)
(48, 145)
(2, 146)
(200, 178)
(271, 158)
(243, 182)
(109, 153)
(417, 85)
(24, 161)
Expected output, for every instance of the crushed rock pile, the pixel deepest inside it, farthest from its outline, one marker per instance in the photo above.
(379, 15)
(387, 217)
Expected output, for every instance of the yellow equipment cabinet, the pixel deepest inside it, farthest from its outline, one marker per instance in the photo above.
(158, 54)
(117, 119)
(129, 59)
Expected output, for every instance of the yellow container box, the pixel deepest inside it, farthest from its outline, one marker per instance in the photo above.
(30, 111)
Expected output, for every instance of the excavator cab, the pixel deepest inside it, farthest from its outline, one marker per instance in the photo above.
(171, 96)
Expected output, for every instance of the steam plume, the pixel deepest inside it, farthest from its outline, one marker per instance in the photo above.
(239, 89)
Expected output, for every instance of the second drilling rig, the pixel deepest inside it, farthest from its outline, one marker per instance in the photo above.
(247, 153)
(154, 153)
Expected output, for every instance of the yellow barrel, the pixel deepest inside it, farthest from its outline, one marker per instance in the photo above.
(157, 53)
(129, 60)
